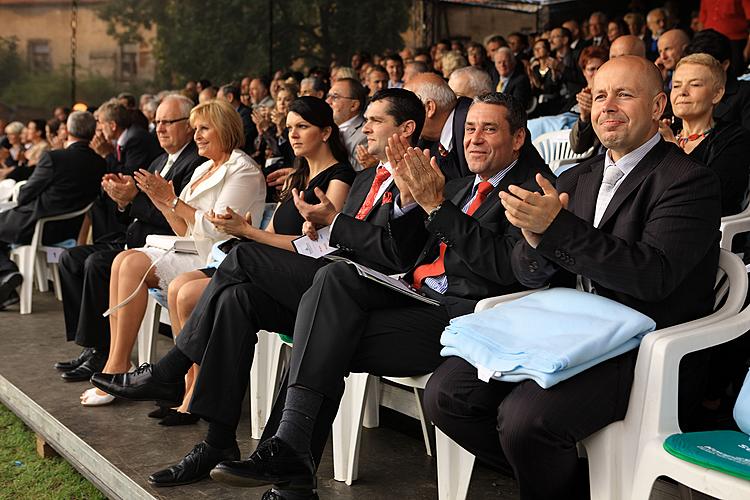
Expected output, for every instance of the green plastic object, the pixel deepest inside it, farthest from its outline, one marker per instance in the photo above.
(723, 451)
(285, 338)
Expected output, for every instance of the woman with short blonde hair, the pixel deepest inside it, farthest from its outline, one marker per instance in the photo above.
(697, 87)
(224, 118)
(229, 179)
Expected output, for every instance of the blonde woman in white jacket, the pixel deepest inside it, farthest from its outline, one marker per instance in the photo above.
(229, 179)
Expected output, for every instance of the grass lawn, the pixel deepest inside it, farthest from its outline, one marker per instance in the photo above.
(24, 475)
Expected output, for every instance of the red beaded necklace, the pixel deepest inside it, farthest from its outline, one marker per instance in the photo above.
(682, 141)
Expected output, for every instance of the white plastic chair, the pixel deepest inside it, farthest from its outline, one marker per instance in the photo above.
(732, 225)
(615, 451)
(359, 406)
(554, 147)
(31, 259)
(272, 355)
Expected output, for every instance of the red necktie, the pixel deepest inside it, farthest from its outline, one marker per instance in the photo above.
(437, 267)
(380, 177)
(119, 153)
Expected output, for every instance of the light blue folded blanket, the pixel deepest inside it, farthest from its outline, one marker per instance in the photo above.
(547, 336)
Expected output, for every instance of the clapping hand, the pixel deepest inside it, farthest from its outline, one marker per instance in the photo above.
(158, 189)
(101, 145)
(231, 222)
(533, 212)
(261, 119)
(321, 214)
(365, 158)
(666, 131)
(423, 177)
(584, 104)
(277, 178)
(121, 188)
(309, 229)
(395, 152)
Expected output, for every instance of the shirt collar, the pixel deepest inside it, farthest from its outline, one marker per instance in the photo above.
(348, 123)
(123, 137)
(173, 157)
(446, 135)
(495, 179)
(630, 160)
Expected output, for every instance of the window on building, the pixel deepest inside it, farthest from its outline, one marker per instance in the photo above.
(129, 62)
(40, 55)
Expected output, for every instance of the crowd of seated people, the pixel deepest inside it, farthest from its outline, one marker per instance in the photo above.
(420, 162)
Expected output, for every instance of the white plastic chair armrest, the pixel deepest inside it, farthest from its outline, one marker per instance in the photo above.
(732, 227)
(36, 240)
(491, 302)
(654, 392)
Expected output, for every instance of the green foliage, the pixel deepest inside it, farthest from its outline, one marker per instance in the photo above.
(9, 61)
(44, 91)
(230, 39)
(23, 474)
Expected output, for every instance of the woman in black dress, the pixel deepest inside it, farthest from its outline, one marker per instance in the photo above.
(321, 161)
(697, 87)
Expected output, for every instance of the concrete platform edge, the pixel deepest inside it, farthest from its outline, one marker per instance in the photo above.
(93, 466)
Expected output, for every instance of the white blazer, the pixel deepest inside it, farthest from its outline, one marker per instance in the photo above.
(238, 184)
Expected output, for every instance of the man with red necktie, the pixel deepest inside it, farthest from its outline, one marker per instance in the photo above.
(346, 323)
(259, 287)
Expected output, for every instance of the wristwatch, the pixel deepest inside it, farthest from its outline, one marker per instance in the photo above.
(174, 203)
(432, 213)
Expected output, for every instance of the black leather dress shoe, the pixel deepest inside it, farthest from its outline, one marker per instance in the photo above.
(84, 372)
(276, 495)
(140, 385)
(74, 363)
(8, 284)
(273, 462)
(12, 299)
(195, 466)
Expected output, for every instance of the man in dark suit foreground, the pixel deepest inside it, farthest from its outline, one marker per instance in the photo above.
(638, 225)
(63, 181)
(260, 287)
(348, 323)
(85, 270)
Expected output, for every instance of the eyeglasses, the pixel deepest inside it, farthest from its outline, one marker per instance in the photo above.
(169, 122)
(335, 97)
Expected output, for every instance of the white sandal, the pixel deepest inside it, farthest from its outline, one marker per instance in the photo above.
(91, 398)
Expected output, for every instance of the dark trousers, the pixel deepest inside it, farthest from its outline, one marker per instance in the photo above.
(345, 324)
(257, 287)
(6, 265)
(85, 273)
(528, 431)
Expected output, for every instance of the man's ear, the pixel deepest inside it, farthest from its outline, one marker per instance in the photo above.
(429, 109)
(660, 104)
(407, 129)
(519, 137)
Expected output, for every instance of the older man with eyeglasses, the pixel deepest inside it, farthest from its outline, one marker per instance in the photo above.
(348, 99)
(85, 270)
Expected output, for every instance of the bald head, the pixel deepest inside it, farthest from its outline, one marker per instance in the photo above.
(672, 46)
(438, 99)
(627, 45)
(628, 101)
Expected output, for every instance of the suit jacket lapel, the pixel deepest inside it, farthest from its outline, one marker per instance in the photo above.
(587, 190)
(634, 179)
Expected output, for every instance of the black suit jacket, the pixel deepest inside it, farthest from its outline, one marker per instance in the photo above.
(370, 241)
(519, 85)
(139, 150)
(141, 215)
(251, 131)
(477, 260)
(735, 105)
(453, 165)
(63, 181)
(657, 246)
